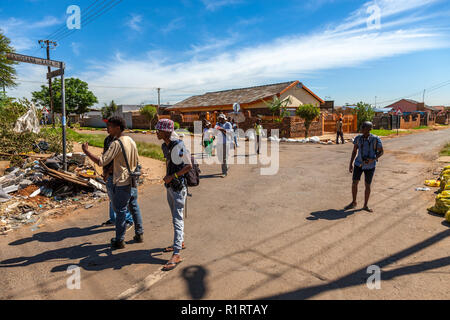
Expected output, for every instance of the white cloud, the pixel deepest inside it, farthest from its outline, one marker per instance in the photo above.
(76, 46)
(213, 5)
(173, 25)
(135, 22)
(21, 31)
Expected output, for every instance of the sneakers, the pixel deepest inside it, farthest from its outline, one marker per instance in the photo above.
(108, 223)
(139, 238)
(115, 245)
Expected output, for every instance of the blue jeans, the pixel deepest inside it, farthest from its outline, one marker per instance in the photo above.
(177, 202)
(112, 214)
(124, 199)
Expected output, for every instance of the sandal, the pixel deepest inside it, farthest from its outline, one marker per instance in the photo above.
(170, 249)
(367, 209)
(171, 265)
(350, 206)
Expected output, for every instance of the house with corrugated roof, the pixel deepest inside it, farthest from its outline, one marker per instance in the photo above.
(409, 105)
(250, 99)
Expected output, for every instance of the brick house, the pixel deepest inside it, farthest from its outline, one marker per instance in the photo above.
(408, 105)
(250, 99)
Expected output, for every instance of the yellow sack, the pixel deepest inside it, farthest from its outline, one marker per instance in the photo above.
(447, 216)
(438, 210)
(444, 194)
(432, 183)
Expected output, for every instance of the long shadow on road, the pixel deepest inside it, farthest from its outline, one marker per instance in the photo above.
(93, 257)
(360, 276)
(61, 235)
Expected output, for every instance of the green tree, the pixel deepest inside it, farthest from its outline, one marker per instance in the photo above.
(7, 70)
(78, 96)
(278, 106)
(149, 112)
(364, 112)
(11, 110)
(308, 112)
(109, 110)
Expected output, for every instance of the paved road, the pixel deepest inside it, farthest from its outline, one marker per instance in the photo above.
(252, 236)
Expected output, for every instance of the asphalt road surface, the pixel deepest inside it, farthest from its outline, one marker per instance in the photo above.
(250, 236)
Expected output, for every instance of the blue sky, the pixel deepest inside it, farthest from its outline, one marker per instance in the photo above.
(189, 47)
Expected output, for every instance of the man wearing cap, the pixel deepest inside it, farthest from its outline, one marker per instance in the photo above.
(367, 150)
(223, 142)
(178, 163)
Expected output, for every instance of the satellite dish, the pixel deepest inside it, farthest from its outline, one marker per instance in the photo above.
(236, 107)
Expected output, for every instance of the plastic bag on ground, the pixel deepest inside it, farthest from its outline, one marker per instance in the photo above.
(315, 140)
(29, 122)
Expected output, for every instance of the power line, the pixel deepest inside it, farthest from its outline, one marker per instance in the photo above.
(84, 16)
(432, 88)
(63, 27)
(104, 10)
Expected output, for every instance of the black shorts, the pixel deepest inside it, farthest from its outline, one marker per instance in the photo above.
(368, 174)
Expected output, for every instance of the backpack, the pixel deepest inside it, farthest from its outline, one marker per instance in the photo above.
(193, 176)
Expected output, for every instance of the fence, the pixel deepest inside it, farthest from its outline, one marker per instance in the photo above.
(349, 123)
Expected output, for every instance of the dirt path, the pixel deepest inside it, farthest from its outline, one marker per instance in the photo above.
(252, 236)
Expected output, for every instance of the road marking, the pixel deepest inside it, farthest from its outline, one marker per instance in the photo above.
(137, 289)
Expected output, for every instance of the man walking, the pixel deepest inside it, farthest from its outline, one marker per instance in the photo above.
(235, 133)
(258, 133)
(226, 130)
(367, 150)
(178, 163)
(340, 131)
(108, 178)
(123, 154)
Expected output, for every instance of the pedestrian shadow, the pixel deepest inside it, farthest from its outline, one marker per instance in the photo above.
(104, 259)
(331, 214)
(91, 257)
(446, 223)
(61, 235)
(195, 278)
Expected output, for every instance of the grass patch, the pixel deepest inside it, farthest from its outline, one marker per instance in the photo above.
(92, 129)
(421, 127)
(446, 150)
(383, 133)
(149, 150)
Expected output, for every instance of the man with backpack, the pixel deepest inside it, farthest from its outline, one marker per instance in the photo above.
(367, 150)
(123, 154)
(178, 167)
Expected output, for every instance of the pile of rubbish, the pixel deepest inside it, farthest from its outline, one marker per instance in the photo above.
(442, 205)
(40, 187)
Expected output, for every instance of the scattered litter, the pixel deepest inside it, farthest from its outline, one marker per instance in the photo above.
(433, 183)
(88, 206)
(423, 189)
(29, 122)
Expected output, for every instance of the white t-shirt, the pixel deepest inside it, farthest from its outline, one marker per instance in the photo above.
(207, 134)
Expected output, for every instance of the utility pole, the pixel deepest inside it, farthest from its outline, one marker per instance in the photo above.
(375, 102)
(159, 99)
(48, 44)
(423, 99)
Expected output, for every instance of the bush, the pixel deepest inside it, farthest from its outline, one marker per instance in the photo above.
(364, 112)
(176, 125)
(308, 112)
